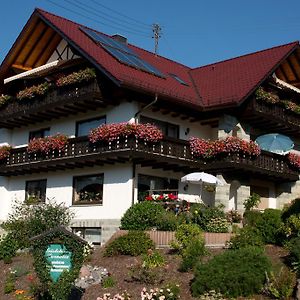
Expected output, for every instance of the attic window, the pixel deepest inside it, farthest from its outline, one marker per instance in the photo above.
(121, 52)
(178, 79)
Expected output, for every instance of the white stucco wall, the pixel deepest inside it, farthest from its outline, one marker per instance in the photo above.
(61, 46)
(117, 191)
(195, 129)
(5, 203)
(18, 137)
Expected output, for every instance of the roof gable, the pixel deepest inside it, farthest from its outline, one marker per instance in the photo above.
(231, 81)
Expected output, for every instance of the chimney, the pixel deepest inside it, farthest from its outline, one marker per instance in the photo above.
(120, 38)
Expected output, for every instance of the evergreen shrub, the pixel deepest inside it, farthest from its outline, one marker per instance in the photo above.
(142, 216)
(233, 273)
(133, 243)
(247, 236)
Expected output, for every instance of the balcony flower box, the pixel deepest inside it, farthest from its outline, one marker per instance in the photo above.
(272, 99)
(206, 149)
(47, 144)
(81, 76)
(4, 152)
(33, 91)
(4, 99)
(294, 161)
(110, 132)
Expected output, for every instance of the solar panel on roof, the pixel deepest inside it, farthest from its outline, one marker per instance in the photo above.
(103, 39)
(121, 52)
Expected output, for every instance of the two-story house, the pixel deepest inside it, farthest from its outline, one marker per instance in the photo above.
(243, 97)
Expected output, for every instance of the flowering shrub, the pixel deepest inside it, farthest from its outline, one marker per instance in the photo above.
(47, 144)
(76, 77)
(23, 295)
(212, 295)
(233, 216)
(4, 99)
(212, 149)
(33, 91)
(294, 160)
(110, 132)
(4, 152)
(107, 296)
(217, 225)
(168, 293)
(162, 197)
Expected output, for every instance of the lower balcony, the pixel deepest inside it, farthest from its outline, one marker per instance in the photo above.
(169, 154)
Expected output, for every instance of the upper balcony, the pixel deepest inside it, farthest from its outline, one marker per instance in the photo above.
(58, 102)
(168, 154)
(271, 113)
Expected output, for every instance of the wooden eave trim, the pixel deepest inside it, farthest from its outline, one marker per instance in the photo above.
(80, 50)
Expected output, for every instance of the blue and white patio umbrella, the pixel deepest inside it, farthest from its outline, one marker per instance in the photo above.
(275, 142)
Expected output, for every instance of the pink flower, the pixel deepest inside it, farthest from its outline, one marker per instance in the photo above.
(110, 132)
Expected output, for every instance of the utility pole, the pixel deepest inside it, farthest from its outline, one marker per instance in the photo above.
(157, 35)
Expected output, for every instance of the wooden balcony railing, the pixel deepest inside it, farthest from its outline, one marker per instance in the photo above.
(272, 117)
(56, 103)
(79, 152)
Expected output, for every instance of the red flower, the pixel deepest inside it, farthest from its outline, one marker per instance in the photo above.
(110, 132)
(4, 151)
(211, 149)
(47, 144)
(294, 160)
(148, 198)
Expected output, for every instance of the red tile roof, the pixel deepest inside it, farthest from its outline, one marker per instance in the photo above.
(222, 83)
(231, 81)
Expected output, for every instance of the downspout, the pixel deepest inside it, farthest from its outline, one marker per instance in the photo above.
(133, 163)
(145, 107)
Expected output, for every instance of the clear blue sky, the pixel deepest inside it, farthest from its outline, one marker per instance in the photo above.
(195, 32)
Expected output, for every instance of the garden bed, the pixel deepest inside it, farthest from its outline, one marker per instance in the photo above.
(118, 268)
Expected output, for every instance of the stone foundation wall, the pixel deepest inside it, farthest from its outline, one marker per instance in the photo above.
(108, 227)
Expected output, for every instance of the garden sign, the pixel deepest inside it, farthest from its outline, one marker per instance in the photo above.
(59, 259)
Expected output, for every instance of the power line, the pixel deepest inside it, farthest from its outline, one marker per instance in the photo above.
(90, 10)
(122, 15)
(92, 19)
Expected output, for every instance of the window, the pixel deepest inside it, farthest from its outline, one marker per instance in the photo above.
(88, 189)
(84, 127)
(168, 129)
(178, 79)
(41, 133)
(155, 185)
(91, 234)
(35, 191)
